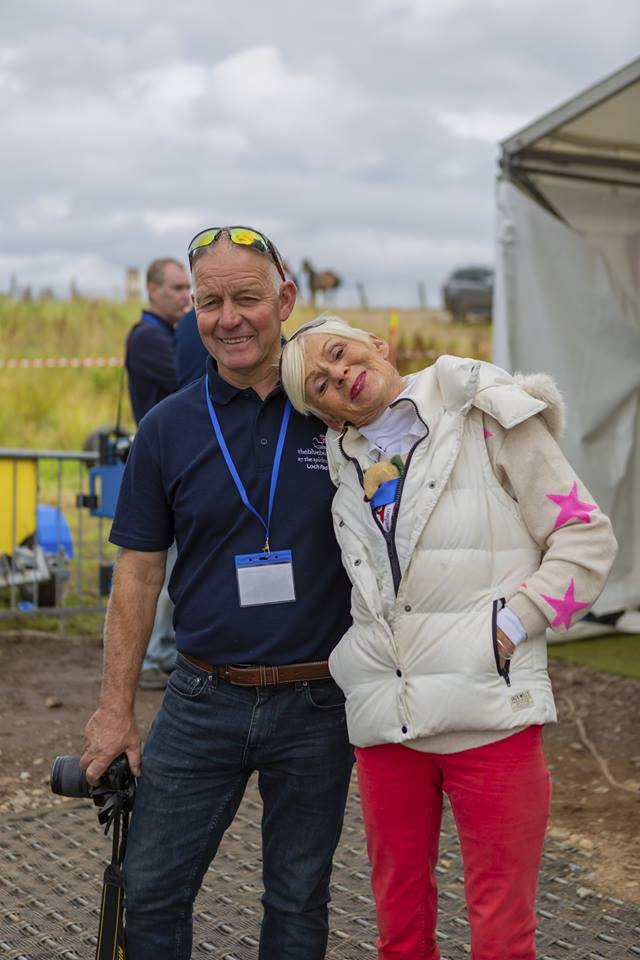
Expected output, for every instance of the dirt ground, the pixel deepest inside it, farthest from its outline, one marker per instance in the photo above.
(49, 685)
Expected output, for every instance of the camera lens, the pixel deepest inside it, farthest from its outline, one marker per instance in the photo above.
(67, 779)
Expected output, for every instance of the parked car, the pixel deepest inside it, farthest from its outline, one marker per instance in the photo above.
(469, 290)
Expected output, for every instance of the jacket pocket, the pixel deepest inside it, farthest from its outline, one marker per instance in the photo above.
(504, 672)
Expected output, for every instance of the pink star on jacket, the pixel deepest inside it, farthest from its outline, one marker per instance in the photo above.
(565, 607)
(487, 433)
(571, 506)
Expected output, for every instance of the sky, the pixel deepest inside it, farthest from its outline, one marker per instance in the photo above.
(359, 134)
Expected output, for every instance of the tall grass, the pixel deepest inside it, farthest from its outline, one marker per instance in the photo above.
(58, 408)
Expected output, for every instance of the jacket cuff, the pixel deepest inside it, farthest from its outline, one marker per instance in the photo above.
(530, 616)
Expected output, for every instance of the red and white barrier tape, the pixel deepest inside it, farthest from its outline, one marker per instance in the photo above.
(47, 362)
(39, 363)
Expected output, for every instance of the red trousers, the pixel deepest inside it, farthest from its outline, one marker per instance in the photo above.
(500, 796)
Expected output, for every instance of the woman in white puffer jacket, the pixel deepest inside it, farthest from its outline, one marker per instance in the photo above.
(465, 533)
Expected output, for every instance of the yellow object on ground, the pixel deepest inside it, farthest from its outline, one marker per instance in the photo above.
(18, 487)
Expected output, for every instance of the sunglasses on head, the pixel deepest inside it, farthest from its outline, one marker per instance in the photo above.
(309, 325)
(242, 237)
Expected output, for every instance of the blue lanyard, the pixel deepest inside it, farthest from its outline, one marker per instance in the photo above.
(232, 468)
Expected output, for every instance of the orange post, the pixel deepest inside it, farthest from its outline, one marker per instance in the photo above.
(393, 336)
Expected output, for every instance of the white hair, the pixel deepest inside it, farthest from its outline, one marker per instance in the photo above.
(292, 361)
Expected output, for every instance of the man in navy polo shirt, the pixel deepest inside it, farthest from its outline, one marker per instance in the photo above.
(240, 482)
(151, 374)
(150, 350)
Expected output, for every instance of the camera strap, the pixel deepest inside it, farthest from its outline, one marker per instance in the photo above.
(111, 945)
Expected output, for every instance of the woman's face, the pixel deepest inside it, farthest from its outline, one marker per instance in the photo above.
(348, 381)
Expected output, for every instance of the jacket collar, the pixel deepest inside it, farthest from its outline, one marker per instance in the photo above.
(150, 317)
(222, 392)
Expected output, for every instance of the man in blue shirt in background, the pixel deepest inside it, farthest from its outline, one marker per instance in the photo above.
(151, 373)
(150, 351)
(240, 482)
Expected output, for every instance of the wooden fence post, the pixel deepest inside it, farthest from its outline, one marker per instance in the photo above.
(133, 283)
(393, 336)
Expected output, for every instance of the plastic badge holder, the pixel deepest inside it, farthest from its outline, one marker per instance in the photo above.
(265, 578)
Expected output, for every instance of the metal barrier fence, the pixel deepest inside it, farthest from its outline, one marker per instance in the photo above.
(55, 558)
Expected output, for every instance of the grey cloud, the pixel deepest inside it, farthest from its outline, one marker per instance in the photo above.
(361, 134)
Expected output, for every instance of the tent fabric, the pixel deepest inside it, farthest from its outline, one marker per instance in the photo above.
(567, 291)
(609, 221)
(559, 309)
(594, 137)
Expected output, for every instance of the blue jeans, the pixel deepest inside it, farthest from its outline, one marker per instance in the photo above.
(207, 739)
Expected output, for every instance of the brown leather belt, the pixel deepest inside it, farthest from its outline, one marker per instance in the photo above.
(262, 676)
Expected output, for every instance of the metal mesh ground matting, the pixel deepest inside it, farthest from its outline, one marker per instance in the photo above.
(51, 868)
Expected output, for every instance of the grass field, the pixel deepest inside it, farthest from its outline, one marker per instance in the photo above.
(614, 653)
(56, 409)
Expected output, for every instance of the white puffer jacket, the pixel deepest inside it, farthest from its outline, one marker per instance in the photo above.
(421, 657)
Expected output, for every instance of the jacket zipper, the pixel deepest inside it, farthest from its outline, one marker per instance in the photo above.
(392, 550)
(504, 673)
(389, 537)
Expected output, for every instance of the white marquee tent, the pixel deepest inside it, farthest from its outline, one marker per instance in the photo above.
(567, 294)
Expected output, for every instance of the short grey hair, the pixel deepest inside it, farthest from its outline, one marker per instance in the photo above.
(292, 361)
(201, 252)
(156, 269)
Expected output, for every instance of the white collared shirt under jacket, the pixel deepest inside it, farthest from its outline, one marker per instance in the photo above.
(420, 664)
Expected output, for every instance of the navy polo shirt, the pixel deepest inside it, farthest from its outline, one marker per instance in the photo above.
(177, 485)
(191, 353)
(150, 363)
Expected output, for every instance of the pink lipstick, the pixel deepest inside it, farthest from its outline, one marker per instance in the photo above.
(358, 385)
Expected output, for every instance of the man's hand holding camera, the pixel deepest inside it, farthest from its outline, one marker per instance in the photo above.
(109, 732)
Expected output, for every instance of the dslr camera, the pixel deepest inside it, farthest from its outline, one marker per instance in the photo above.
(113, 795)
(116, 786)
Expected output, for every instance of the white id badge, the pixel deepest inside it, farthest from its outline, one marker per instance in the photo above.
(265, 578)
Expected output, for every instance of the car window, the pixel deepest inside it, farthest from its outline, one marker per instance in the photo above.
(476, 276)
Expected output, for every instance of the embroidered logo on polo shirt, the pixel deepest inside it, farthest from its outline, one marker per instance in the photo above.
(520, 701)
(315, 457)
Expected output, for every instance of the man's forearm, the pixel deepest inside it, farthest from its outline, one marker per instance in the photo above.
(128, 625)
(112, 729)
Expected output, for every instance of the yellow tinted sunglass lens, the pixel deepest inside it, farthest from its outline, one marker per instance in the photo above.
(248, 238)
(203, 240)
(242, 236)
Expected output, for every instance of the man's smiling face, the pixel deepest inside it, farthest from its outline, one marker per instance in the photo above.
(241, 303)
